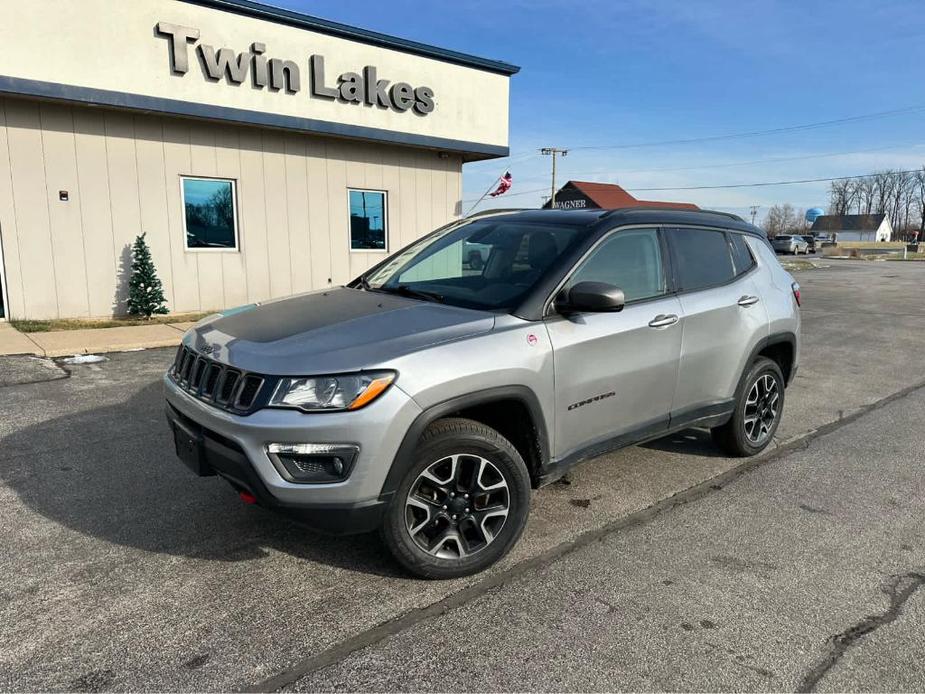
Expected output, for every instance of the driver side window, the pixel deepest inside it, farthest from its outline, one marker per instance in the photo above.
(630, 260)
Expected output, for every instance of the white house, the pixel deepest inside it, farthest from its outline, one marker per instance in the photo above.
(854, 227)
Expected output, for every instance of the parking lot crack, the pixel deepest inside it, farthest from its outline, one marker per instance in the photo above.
(898, 589)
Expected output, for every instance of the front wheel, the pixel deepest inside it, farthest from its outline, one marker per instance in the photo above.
(758, 408)
(463, 503)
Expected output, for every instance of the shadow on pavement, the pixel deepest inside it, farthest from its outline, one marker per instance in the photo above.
(688, 442)
(110, 472)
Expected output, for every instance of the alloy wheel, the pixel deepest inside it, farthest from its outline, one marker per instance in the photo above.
(457, 506)
(761, 409)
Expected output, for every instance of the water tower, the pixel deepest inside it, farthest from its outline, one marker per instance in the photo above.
(812, 213)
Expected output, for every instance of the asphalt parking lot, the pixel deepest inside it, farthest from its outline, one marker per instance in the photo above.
(122, 571)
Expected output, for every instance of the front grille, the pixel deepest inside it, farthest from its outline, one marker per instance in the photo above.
(215, 383)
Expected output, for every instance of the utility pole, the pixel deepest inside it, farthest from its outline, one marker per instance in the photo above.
(754, 211)
(554, 151)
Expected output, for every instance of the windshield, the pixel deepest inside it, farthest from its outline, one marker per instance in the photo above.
(783, 238)
(486, 264)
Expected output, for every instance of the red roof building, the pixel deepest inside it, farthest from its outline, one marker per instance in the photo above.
(584, 195)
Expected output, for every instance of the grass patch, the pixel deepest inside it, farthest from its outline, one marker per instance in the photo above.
(797, 265)
(45, 326)
(872, 244)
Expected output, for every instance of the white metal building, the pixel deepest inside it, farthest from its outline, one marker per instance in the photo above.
(854, 227)
(263, 152)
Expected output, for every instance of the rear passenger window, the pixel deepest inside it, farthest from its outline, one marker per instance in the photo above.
(741, 255)
(703, 258)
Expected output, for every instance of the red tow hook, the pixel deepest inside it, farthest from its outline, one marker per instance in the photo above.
(247, 497)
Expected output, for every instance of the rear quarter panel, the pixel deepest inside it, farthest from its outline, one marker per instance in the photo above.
(774, 287)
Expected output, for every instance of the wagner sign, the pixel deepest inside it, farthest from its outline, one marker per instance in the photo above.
(285, 76)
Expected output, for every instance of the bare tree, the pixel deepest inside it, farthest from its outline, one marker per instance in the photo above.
(784, 219)
(840, 197)
(899, 195)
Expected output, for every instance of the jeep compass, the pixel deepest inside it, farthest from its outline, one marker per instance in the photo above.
(427, 397)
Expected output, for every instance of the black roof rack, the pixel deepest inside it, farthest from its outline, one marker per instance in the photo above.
(659, 208)
(496, 210)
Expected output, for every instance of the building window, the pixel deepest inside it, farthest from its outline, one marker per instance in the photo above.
(368, 220)
(210, 217)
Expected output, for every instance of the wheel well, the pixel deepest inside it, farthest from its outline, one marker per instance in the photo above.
(513, 420)
(782, 353)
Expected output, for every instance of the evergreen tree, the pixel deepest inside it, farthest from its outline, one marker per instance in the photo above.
(145, 293)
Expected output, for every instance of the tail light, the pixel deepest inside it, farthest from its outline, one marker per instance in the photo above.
(796, 293)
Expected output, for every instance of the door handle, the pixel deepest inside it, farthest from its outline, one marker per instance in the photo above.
(748, 300)
(663, 320)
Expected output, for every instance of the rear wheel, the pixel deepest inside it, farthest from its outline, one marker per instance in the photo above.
(758, 409)
(462, 505)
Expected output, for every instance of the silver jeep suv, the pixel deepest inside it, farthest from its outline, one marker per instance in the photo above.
(427, 397)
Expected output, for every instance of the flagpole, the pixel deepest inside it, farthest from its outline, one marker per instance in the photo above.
(487, 191)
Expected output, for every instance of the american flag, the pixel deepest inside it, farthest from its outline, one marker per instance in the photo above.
(504, 185)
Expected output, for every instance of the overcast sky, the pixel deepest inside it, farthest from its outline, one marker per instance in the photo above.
(610, 73)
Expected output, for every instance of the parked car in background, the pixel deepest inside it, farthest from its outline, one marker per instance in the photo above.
(425, 399)
(790, 244)
(811, 242)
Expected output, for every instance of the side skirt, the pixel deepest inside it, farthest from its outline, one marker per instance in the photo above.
(707, 416)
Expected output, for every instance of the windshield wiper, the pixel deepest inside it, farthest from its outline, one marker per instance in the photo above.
(405, 290)
(363, 283)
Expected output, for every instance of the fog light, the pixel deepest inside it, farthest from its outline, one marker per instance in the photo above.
(313, 463)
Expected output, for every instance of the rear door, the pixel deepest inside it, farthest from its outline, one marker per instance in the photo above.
(615, 373)
(724, 318)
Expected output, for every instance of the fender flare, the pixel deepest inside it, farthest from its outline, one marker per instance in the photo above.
(404, 458)
(788, 338)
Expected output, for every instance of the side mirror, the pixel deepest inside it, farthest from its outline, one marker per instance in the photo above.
(590, 297)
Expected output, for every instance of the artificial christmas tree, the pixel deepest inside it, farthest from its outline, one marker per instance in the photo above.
(145, 293)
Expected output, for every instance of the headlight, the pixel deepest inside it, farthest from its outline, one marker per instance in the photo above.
(329, 393)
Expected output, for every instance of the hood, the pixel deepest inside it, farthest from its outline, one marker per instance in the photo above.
(332, 331)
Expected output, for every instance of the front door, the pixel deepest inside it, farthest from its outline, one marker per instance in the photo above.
(615, 373)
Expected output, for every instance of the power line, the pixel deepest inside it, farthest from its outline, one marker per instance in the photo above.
(740, 135)
(769, 183)
(758, 133)
(733, 185)
(732, 164)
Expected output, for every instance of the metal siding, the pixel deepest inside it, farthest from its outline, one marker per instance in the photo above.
(209, 263)
(234, 265)
(95, 211)
(152, 197)
(300, 253)
(274, 181)
(122, 173)
(185, 266)
(14, 295)
(31, 209)
(60, 163)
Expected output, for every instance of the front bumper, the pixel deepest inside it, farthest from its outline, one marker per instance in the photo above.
(234, 447)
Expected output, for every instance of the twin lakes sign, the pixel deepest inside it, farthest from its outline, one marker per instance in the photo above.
(285, 76)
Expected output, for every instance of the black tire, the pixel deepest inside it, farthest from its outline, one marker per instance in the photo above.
(733, 436)
(468, 439)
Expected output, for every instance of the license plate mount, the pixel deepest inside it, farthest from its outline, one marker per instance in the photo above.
(188, 445)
